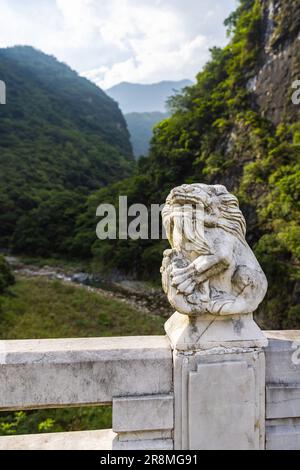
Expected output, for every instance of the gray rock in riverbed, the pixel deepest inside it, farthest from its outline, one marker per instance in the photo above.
(81, 278)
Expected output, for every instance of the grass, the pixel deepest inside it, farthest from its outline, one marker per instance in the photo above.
(39, 308)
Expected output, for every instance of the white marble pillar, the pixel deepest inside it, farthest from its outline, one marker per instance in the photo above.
(219, 384)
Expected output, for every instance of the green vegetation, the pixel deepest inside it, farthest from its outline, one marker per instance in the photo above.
(217, 134)
(56, 420)
(49, 309)
(6, 276)
(61, 138)
(35, 309)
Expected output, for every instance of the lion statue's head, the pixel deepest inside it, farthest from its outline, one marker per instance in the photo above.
(190, 204)
(210, 268)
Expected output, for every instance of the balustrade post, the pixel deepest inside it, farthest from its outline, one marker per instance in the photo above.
(214, 282)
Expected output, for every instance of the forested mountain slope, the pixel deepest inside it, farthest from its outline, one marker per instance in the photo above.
(236, 126)
(61, 137)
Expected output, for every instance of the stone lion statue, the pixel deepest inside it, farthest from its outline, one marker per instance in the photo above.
(210, 268)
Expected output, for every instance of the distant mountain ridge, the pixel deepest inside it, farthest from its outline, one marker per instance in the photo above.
(139, 98)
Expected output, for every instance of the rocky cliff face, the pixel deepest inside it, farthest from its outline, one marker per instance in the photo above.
(279, 61)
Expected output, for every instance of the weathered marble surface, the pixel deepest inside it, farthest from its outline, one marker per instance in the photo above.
(47, 373)
(143, 422)
(219, 399)
(283, 390)
(283, 434)
(283, 357)
(283, 401)
(189, 333)
(151, 444)
(81, 440)
(220, 394)
(143, 413)
(210, 269)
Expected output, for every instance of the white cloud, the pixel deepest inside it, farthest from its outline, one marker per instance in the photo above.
(110, 41)
(151, 64)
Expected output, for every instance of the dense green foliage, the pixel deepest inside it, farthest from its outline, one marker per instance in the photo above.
(39, 308)
(140, 126)
(55, 420)
(61, 137)
(217, 134)
(6, 276)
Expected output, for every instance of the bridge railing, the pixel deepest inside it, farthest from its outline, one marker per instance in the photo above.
(160, 398)
(134, 374)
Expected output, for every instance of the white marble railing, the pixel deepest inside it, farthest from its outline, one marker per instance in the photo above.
(133, 373)
(140, 376)
(283, 390)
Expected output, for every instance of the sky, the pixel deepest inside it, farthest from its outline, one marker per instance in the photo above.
(111, 41)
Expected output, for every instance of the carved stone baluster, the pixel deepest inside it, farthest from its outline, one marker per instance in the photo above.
(214, 282)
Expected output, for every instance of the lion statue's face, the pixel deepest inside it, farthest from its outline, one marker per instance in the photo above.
(211, 203)
(202, 195)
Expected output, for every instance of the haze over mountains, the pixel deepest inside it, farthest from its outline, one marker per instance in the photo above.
(144, 106)
(140, 126)
(138, 98)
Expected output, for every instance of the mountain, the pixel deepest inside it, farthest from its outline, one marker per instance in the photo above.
(61, 138)
(140, 126)
(133, 97)
(144, 106)
(239, 125)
